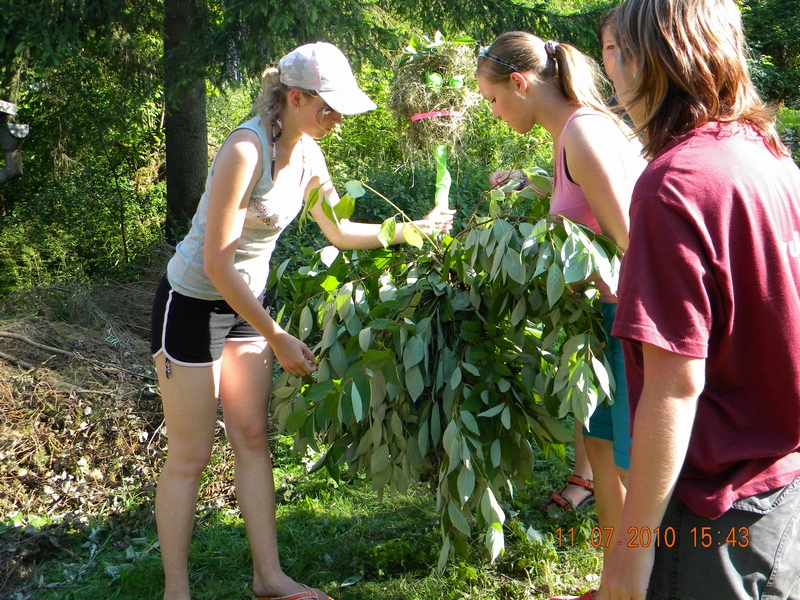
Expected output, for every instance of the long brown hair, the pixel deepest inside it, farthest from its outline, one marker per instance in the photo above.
(690, 62)
(577, 76)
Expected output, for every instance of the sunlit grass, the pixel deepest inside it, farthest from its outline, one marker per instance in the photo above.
(338, 537)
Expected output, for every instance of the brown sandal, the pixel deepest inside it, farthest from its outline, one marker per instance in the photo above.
(309, 594)
(557, 500)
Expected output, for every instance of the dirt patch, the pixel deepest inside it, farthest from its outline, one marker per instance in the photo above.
(82, 437)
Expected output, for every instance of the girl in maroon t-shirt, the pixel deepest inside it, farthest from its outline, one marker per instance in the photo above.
(709, 314)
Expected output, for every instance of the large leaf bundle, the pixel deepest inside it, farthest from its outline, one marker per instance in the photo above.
(447, 363)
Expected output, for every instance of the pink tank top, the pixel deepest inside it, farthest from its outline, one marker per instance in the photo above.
(568, 199)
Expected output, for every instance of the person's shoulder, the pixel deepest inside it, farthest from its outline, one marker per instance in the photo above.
(595, 131)
(591, 122)
(242, 145)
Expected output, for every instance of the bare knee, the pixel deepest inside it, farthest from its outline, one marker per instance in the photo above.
(187, 463)
(248, 437)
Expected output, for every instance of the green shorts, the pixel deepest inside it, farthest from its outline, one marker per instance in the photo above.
(612, 422)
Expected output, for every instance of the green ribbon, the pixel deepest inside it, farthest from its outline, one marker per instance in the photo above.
(443, 179)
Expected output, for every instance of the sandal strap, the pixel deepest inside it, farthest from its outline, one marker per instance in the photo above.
(558, 499)
(309, 594)
(580, 481)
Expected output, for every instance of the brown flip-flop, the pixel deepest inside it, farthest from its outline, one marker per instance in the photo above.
(309, 594)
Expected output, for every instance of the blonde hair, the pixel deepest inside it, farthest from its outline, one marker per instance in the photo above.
(690, 61)
(274, 92)
(272, 98)
(577, 76)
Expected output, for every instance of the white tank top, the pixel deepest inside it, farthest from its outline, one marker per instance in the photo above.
(267, 217)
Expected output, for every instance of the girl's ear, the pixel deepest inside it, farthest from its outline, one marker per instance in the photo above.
(294, 98)
(519, 81)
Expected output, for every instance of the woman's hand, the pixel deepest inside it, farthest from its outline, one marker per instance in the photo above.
(626, 575)
(502, 177)
(439, 219)
(293, 355)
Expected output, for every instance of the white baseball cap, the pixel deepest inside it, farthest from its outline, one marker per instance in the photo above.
(321, 67)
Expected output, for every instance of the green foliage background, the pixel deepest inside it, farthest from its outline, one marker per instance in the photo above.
(86, 77)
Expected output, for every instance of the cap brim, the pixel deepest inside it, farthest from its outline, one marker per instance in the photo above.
(348, 102)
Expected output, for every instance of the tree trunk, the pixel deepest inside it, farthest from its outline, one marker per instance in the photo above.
(185, 108)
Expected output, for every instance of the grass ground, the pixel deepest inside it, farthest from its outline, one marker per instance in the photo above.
(338, 537)
(81, 443)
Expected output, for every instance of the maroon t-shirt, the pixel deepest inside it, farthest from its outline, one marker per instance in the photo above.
(712, 271)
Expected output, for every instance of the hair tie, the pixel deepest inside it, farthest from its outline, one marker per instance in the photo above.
(550, 47)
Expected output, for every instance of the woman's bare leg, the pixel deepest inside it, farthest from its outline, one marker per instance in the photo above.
(244, 391)
(609, 489)
(190, 407)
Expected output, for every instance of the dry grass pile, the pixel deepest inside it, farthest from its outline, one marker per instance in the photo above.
(81, 427)
(437, 76)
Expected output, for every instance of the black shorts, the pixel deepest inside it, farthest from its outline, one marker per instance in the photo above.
(192, 331)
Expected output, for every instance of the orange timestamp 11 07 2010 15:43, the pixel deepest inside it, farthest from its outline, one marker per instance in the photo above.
(704, 537)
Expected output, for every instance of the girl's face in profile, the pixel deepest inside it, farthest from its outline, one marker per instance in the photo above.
(608, 45)
(624, 74)
(507, 101)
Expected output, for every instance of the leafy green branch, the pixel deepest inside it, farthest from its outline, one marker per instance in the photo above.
(447, 364)
(344, 208)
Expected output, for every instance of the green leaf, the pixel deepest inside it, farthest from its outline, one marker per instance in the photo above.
(519, 312)
(604, 377)
(414, 382)
(364, 338)
(449, 439)
(471, 368)
(282, 268)
(354, 189)
(352, 580)
(377, 387)
(514, 267)
(306, 323)
(358, 405)
(505, 418)
(343, 209)
(414, 352)
(444, 556)
(295, 421)
(412, 235)
(555, 285)
(469, 420)
(457, 519)
(387, 232)
(423, 439)
(338, 358)
(379, 459)
(495, 453)
(396, 424)
(535, 536)
(498, 516)
(465, 484)
(455, 379)
(494, 542)
(329, 284)
(495, 410)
